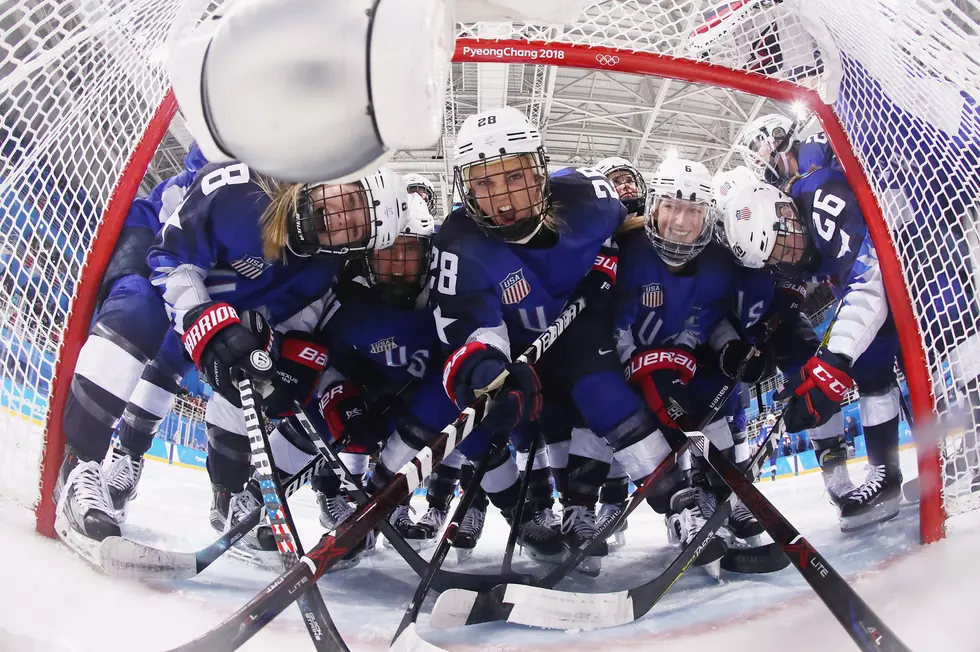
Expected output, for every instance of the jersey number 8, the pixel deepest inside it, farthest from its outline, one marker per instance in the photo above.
(443, 271)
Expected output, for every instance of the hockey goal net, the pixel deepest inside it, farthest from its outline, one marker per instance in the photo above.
(894, 83)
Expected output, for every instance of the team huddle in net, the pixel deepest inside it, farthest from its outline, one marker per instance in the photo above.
(348, 299)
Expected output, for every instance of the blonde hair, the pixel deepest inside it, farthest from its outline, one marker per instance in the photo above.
(631, 224)
(283, 201)
(550, 219)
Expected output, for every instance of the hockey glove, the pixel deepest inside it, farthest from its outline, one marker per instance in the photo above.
(815, 393)
(223, 349)
(469, 373)
(348, 417)
(597, 286)
(734, 353)
(662, 375)
(299, 361)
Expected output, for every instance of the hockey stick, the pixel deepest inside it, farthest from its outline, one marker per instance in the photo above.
(271, 601)
(459, 607)
(443, 579)
(317, 619)
(518, 516)
(865, 628)
(121, 557)
(537, 606)
(448, 536)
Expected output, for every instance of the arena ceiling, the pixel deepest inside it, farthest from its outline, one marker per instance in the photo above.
(585, 115)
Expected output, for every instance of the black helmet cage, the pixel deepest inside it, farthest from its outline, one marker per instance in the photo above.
(677, 253)
(401, 293)
(310, 219)
(509, 232)
(633, 206)
(429, 196)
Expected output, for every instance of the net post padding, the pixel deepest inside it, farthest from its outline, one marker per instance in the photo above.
(932, 512)
(83, 306)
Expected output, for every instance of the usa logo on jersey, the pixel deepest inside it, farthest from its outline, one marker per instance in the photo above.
(249, 266)
(387, 344)
(653, 295)
(514, 288)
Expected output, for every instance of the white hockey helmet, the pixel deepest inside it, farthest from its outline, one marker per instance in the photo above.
(727, 184)
(763, 227)
(416, 182)
(680, 210)
(490, 147)
(400, 272)
(352, 217)
(635, 197)
(328, 93)
(764, 144)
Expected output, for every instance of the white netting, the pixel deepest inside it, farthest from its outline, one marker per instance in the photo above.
(80, 81)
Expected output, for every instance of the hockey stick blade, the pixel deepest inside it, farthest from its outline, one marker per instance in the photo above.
(122, 557)
(241, 626)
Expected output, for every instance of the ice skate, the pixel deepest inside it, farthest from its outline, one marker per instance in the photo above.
(579, 525)
(690, 509)
(228, 509)
(470, 530)
(607, 513)
(122, 470)
(539, 536)
(334, 510)
(422, 535)
(743, 525)
(84, 515)
(875, 501)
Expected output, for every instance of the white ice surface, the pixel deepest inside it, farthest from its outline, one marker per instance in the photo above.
(53, 601)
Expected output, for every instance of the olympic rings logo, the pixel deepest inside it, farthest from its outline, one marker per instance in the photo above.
(607, 59)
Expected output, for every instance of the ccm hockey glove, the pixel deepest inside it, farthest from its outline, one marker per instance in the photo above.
(223, 348)
(471, 370)
(663, 375)
(815, 393)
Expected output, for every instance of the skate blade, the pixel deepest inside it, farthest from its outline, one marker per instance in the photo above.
(713, 569)
(463, 554)
(344, 564)
(754, 541)
(880, 513)
(616, 540)
(544, 559)
(418, 545)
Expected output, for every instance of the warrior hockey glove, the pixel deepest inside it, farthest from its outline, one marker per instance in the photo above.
(663, 375)
(816, 392)
(734, 353)
(299, 361)
(471, 370)
(347, 415)
(223, 348)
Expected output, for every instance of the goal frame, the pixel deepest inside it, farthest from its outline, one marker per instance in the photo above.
(932, 513)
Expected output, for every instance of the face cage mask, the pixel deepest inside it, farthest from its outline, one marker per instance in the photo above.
(302, 237)
(791, 271)
(633, 206)
(510, 232)
(402, 294)
(782, 142)
(673, 253)
(429, 198)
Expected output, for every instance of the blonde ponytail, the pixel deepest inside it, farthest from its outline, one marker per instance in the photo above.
(631, 224)
(283, 200)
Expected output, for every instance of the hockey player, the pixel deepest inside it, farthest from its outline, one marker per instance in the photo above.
(523, 243)
(384, 350)
(824, 234)
(419, 185)
(122, 372)
(244, 254)
(674, 286)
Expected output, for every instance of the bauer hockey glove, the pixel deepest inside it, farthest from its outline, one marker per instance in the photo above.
(597, 286)
(816, 392)
(300, 360)
(348, 417)
(662, 376)
(223, 348)
(471, 370)
(734, 353)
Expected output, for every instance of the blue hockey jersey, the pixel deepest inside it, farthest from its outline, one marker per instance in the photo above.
(505, 295)
(845, 253)
(152, 211)
(210, 249)
(656, 307)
